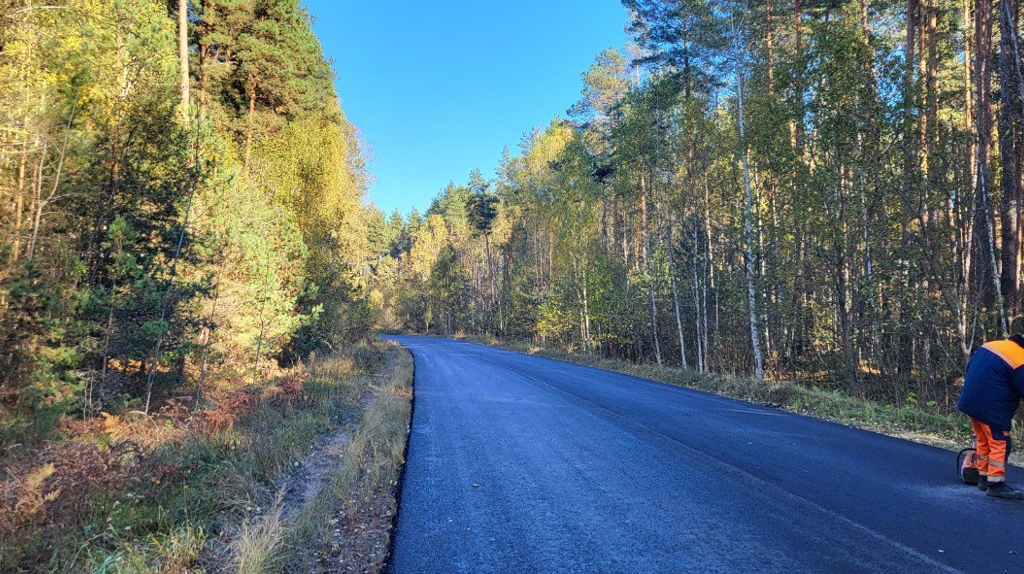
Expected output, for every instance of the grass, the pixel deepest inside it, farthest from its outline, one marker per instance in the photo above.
(201, 491)
(352, 518)
(258, 549)
(917, 422)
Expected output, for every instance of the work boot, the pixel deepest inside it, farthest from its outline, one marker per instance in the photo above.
(982, 483)
(1004, 491)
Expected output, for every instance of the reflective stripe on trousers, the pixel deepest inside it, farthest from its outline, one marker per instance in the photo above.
(993, 450)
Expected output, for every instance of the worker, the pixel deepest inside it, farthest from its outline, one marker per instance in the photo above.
(993, 389)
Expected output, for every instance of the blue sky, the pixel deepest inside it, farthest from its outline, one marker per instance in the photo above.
(439, 88)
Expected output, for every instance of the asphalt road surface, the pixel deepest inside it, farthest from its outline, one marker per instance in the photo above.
(520, 464)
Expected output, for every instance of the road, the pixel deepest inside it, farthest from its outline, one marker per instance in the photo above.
(519, 464)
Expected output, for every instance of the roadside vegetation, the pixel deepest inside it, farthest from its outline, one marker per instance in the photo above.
(347, 526)
(222, 488)
(184, 323)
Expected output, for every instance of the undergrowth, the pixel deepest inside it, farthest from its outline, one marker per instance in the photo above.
(351, 519)
(185, 490)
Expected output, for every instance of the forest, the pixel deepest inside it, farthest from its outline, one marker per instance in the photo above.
(183, 321)
(823, 191)
(826, 193)
(182, 203)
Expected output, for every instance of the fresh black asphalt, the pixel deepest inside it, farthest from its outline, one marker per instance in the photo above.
(519, 464)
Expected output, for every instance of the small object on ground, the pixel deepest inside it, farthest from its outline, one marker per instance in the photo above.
(1004, 491)
(475, 485)
(967, 466)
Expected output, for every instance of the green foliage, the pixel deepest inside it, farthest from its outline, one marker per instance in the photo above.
(149, 494)
(862, 259)
(139, 251)
(481, 209)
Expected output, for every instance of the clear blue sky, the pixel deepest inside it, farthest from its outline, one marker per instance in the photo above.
(439, 88)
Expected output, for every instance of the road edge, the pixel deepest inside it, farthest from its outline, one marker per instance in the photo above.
(387, 566)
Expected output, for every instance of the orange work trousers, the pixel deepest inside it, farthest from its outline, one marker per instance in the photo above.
(992, 451)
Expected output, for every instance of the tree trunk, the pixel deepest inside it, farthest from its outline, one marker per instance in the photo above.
(644, 241)
(37, 218)
(675, 293)
(204, 81)
(205, 53)
(709, 279)
(932, 179)
(748, 232)
(909, 101)
(964, 237)
(769, 42)
(1010, 152)
(654, 324)
(490, 275)
(41, 203)
(989, 271)
(19, 200)
(90, 409)
(799, 132)
(586, 311)
(183, 61)
(699, 303)
(250, 128)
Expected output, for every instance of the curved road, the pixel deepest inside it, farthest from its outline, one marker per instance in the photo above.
(520, 464)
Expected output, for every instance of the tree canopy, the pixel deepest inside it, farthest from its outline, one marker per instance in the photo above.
(826, 191)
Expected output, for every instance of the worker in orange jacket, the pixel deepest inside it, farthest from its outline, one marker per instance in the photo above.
(993, 389)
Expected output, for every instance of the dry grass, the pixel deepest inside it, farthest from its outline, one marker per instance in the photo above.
(258, 549)
(351, 518)
(167, 493)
